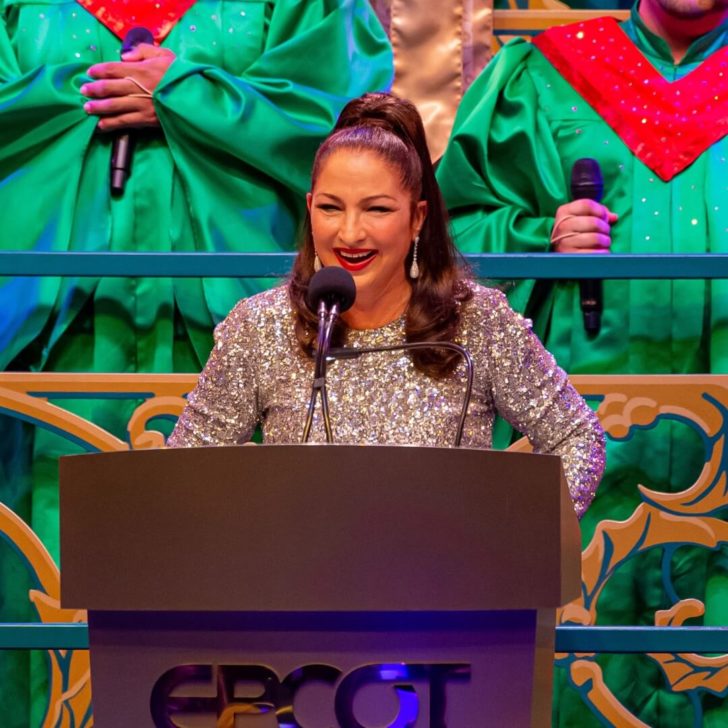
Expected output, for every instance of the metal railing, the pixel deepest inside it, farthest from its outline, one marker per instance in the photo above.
(277, 265)
(569, 638)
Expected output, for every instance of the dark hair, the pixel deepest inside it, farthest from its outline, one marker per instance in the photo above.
(392, 128)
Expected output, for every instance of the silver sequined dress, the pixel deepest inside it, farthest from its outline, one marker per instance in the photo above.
(257, 373)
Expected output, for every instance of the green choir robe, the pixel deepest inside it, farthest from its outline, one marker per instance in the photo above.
(256, 87)
(517, 134)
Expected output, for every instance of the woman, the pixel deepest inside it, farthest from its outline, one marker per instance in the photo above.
(375, 210)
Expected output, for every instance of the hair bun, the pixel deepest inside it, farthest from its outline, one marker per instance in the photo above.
(385, 111)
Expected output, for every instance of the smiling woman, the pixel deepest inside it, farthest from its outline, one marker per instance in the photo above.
(365, 220)
(373, 194)
(377, 165)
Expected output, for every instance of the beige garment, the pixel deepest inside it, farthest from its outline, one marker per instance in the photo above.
(440, 46)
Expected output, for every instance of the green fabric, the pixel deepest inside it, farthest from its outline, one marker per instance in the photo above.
(518, 132)
(256, 86)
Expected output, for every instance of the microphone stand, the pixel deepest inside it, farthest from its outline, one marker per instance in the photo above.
(325, 329)
(351, 353)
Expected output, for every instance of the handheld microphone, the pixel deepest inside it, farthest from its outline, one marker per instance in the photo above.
(331, 291)
(123, 147)
(587, 183)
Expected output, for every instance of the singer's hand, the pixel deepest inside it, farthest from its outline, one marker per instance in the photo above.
(582, 226)
(119, 102)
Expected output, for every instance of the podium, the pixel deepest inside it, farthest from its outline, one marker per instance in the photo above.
(319, 586)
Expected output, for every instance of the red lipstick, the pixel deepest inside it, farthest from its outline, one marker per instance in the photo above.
(354, 259)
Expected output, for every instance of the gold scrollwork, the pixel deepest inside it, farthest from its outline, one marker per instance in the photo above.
(69, 696)
(691, 516)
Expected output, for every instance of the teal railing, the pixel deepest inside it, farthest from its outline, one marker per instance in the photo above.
(277, 265)
(31, 636)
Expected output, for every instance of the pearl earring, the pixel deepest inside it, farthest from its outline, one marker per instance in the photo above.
(414, 270)
(316, 263)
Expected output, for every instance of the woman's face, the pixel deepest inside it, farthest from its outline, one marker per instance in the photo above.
(364, 221)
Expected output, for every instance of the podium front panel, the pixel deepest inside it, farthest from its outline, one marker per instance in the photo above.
(315, 671)
(318, 586)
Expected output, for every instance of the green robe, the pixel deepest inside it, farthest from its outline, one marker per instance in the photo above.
(518, 132)
(256, 86)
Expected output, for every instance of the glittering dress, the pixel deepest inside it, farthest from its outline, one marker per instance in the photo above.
(257, 373)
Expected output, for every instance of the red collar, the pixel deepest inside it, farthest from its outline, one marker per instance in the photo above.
(120, 16)
(667, 126)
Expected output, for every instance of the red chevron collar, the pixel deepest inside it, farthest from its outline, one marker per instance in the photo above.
(120, 16)
(667, 126)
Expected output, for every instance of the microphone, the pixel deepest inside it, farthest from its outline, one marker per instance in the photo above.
(587, 183)
(331, 286)
(331, 291)
(123, 147)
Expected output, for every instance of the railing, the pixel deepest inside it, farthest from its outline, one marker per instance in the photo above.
(617, 640)
(514, 266)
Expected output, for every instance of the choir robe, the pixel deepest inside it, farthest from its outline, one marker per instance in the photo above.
(507, 168)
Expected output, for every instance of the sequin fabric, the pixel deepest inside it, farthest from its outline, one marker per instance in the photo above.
(257, 373)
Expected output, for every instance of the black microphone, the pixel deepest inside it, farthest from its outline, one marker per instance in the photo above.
(587, 183)
(123, 147)
(331, 285)
(331, 291)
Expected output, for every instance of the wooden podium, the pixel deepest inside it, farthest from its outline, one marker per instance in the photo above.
(319, 586)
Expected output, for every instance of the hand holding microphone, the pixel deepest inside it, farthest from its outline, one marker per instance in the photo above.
(120, 93)
(584, 226)
(121, 96)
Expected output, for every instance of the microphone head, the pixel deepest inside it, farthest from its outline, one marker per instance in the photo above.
(586, 180)
(331, 285)
(135, 36)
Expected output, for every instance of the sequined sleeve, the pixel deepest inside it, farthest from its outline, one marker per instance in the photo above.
(223, 407)
(534, 394)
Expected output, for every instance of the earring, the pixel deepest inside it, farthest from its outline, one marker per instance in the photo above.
(414, 270)
(316, 263)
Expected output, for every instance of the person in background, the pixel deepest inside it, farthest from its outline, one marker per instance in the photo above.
(226, 109)
(647, 99)
(375, 210)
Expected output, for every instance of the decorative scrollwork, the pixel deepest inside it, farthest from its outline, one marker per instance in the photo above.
(69, 698)
(667, 520)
